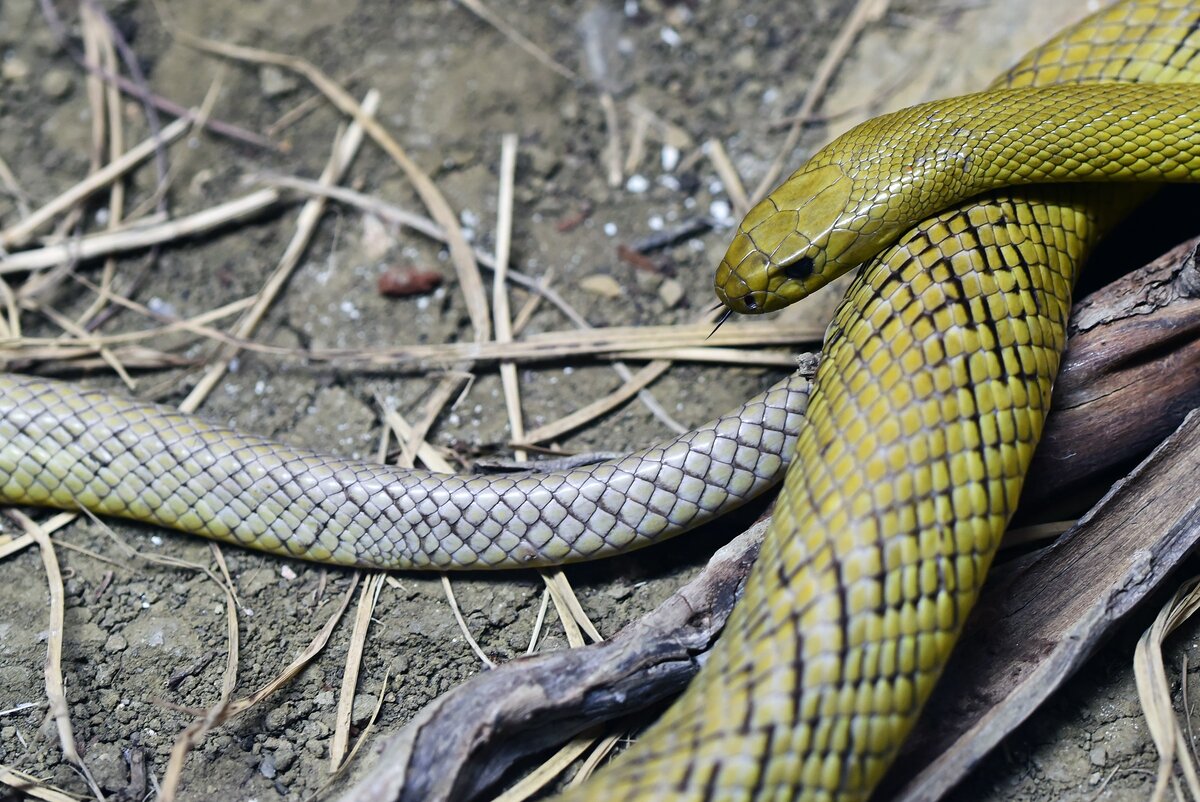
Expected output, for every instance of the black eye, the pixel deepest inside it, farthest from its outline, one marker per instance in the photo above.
(751, 304)
(800, 269)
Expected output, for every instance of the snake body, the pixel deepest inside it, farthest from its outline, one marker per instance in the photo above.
(926, 408)
(65, 447)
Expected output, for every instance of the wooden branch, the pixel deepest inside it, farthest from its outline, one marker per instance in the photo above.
(1131, 373)
(1131, 341)
(461, 743)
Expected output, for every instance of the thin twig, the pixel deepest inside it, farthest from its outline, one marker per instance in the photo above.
(55, 692)
(20, 233)
(137, 238)
(519, 39)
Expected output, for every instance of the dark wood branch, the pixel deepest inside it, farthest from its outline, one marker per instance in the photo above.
(460, 743)
(1130, 374)
(1132, 342)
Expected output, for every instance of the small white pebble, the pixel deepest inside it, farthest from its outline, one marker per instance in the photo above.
(670, 36)
(260, 387)
(350, 310)
(720, 211)
(468, 218)
(669, 183)
(160, 307)
(287, 573)
(423, 303)
(670, 157)
(145, 605)
(637, 184)
(568, 370)
(235, 364)
(454, 419)
(655, 222)
(770, 96)
(631, 8)
(156, 540)
(610, 229)
(715, 187)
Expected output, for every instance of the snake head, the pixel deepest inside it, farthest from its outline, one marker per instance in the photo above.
(797, 240)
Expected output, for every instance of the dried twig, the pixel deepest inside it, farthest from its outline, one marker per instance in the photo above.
(55, 692)
(519, 39)
(138, 237)
(20, 233)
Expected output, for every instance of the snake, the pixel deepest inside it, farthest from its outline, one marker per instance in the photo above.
(902, 460)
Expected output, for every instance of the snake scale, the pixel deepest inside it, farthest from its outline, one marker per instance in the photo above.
(923, 416)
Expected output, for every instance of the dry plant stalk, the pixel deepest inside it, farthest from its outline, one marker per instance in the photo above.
(55, 692)
(1154, 692)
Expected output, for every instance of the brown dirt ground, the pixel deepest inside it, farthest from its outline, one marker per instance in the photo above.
(451, 85)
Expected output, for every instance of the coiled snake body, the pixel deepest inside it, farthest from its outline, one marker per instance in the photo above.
(925, 411)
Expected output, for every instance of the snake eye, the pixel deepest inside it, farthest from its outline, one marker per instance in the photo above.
(800, 269)
(751, 304)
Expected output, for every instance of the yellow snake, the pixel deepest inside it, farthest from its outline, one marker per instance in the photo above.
(925, 411)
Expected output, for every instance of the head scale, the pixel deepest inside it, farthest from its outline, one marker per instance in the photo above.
(790, 244)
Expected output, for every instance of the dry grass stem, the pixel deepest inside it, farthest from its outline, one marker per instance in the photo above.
(30, 787)
(540, 777)
(423, 451)
(640, 342)
(11, 545)
(864, 13)
(23, 230)
(575, 621)
(1154, 692)
(448, 589)
(55, 691)
(603, 747)
(197, 326)
(13, 187)
(602, 406)
(539, 622)
(367, 600)
(501, 315)
(612, 151)
(461, 253)
(516, 37)
(345, 148)
(232, 605)
(729, 177)
(715, 356)
(1023, 536)
(216, 716)
(133, 238)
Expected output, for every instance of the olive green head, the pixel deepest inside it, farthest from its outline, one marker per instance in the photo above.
(797, 240)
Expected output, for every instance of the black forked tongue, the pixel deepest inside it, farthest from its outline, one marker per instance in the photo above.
(720, 322)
